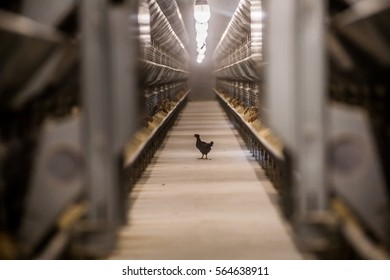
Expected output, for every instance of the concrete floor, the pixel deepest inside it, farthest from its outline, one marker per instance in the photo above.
(187, 208)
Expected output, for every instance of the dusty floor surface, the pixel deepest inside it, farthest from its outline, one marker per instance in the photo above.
(187, 208)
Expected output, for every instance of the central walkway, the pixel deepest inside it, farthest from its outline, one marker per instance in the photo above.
(184, 207)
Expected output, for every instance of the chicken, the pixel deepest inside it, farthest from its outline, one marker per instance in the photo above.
(203, 147)
(251, 114)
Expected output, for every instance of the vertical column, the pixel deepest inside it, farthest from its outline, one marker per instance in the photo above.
(282, 69)
(110, 114)
(297, 100)
(96, 113)
(310, 116)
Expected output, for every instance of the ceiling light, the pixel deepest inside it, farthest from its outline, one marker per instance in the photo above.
(201, 27)
(201, 56)
(201, 37)
(201, 11)
(201, 50)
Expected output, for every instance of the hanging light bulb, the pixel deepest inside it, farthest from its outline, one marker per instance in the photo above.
(201, 50)
(201, 57)
(200, 45)
(201, 27)
(201, 37)
(202, 16)
(201, 11)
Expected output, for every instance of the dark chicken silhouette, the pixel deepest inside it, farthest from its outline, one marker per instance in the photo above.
(203, 147)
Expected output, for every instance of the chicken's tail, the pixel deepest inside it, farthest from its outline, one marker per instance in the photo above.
(211, 143)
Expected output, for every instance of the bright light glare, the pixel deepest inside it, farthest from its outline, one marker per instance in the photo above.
(143, 14)
(202, 13)
(201, 27)
(144, 23)
(200, 40)
(257, 13)
(202, 50)
(201, 37)
(200, 45)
